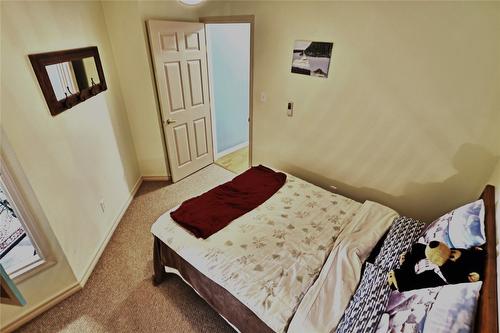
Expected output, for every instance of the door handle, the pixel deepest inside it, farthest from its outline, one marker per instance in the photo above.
(169, 121)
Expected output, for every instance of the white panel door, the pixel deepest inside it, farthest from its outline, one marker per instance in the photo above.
(179, 56)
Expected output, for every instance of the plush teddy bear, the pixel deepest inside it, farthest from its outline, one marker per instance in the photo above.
(435, 264)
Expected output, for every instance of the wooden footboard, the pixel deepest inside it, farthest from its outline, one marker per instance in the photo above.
(223, 302)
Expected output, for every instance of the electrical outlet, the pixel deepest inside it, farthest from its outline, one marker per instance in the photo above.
(102, 205)
(263, 97)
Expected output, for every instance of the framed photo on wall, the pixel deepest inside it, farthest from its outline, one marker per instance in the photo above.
(311, 58)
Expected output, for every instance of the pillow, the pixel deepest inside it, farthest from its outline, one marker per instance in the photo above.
(461, 228)
(449, 308)
(368, 302)
(402, 234)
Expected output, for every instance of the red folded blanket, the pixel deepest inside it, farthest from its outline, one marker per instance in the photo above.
(210, 212)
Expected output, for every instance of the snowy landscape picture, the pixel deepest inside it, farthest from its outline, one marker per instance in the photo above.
(311, 58)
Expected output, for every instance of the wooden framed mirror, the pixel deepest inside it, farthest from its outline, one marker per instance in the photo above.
(68, 77)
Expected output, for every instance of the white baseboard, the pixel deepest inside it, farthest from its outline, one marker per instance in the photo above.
(117, 220)
(230, 150)
(42, 308)
(155, 178)
(81, 283)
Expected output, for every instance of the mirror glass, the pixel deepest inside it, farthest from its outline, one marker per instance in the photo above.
(70, 77)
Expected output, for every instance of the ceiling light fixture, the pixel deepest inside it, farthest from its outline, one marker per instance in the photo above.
(190, 2)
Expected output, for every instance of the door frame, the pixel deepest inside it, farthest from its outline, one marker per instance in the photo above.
(154, 26)
(239, 19)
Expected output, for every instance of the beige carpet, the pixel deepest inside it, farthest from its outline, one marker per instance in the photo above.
(119, 296)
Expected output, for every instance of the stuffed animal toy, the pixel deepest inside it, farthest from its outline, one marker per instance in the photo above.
(434, 265)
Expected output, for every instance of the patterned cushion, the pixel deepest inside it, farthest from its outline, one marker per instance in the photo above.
(449, 308)
(402, 234)
(453, 306)
(368, 303)
(460, 228)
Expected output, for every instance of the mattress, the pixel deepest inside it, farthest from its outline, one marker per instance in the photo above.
(278, 258)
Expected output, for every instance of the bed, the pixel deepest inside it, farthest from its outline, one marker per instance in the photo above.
(292, 263)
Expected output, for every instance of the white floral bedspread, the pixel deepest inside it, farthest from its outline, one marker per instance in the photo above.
(269, 257)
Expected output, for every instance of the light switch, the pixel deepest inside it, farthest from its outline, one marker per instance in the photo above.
(289, 111)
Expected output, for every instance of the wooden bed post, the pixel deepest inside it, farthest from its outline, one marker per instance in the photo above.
(487, 312)
(159, 274)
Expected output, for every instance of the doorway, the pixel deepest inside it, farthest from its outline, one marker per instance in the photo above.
(228, 55)
(187, 104)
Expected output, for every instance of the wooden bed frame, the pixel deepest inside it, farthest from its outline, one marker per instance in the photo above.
(246, 321)
(487, 312)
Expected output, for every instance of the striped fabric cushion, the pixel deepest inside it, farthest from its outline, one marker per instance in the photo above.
(368, 303)
(370, 299)
(403, 233)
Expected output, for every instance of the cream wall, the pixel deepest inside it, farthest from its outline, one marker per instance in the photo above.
(79, 157)
(410, 112)
(407, 116)
(57, 278)
(129, 47)
(125, 21)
